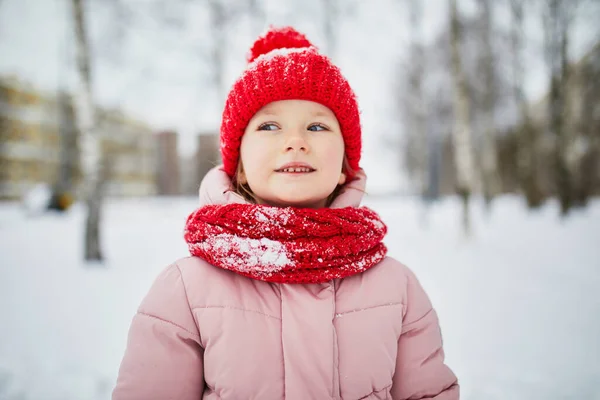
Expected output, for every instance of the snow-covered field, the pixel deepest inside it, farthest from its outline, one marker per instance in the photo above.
(519, 301)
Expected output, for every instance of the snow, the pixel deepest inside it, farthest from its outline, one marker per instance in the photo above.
(37, 199)
(263, 58)
(518, 301)
(263, 256)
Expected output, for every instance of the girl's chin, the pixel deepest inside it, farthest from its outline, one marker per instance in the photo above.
(296, 201)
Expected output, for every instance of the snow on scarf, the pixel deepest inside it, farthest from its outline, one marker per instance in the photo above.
(287, 245)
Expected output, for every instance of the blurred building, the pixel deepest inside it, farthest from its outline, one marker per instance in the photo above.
(39, 144)
(207, 155)
(130, 155)
(168, 176)
(196, 166)
(29, 138)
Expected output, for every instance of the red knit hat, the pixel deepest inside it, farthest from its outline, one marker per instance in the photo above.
(284, 65)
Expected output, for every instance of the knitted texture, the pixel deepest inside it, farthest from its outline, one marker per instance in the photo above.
(284, 65)
(287, 245)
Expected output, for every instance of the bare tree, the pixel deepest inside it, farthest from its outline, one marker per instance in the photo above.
(416, 103)
(527, 148)
(330, 15)
(462, 141)
(258, 14)
(489, 162)
(63, 187)
(557, 18)
(334, 12)
(589, 126)
(219, 19)
(90, 147)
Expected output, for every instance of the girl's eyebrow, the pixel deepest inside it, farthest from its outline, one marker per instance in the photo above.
(321, 114)
(265, 113)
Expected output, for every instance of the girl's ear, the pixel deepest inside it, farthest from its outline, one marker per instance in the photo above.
(342, 179)
(241, 178)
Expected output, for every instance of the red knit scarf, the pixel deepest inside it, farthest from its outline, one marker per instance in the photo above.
(287, 245)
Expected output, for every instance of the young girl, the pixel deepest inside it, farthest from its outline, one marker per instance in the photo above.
(288, 293)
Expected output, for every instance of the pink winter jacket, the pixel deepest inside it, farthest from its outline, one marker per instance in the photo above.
(207, 333)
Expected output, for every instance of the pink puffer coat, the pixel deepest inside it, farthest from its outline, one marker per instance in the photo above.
(206, 333)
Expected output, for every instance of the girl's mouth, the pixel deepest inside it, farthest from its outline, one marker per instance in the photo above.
(296, 170)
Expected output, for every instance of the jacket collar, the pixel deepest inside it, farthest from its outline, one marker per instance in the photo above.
(216, 188)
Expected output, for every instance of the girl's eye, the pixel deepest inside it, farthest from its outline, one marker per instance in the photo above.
(317, 128)
(268, 126)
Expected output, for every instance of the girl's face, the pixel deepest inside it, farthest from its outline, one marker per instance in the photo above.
(292, 153)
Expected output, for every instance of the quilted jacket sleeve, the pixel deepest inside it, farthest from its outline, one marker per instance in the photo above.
(163, 357)
(420, 369)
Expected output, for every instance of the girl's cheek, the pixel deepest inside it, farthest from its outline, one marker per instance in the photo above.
(262, 143)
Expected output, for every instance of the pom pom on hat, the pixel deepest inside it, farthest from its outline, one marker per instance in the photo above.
(278, 38)
(284, 65)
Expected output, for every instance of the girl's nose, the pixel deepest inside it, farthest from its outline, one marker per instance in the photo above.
(296, 142)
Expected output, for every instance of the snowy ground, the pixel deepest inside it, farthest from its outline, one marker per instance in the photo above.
(519, 301)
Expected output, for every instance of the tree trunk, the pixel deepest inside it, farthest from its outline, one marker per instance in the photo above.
(63, 188)
(330, 19)
(417, 124)
(589, 170)
(68, 148)
(527, 148)
(461, 133)
(556, 30)
(220, 17)
(258, 15)
(90, 148)
(491, 179)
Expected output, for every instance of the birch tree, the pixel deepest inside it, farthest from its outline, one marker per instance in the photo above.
(334, 12)
(461, 132)
(557, 17)
(90, 157)
(330, 19)
(63, 187)
(416, 104)
(219, 20)
(258, 14)
(527, 140)
(489, 162)
(589, 179)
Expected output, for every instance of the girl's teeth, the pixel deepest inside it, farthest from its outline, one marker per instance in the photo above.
(296, 170)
